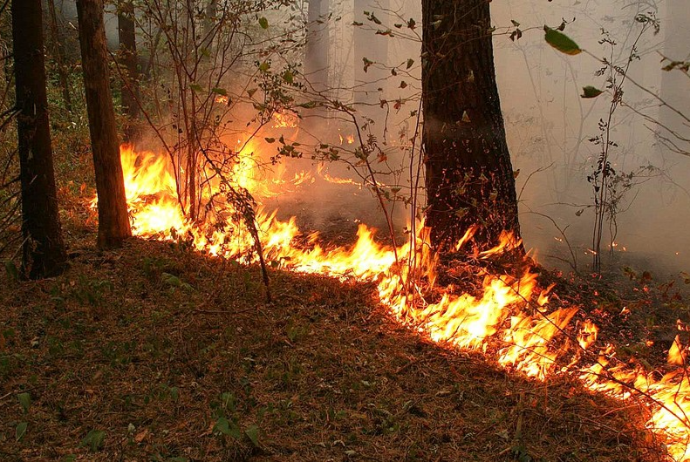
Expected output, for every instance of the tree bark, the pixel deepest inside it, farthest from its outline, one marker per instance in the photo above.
(469, 176)
(113, 221)
(44, 252)
(129, 60)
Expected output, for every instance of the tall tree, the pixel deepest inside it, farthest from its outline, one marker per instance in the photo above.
(129, 61)
(113, 222)
(44, 252)
(469, 177)
(316, 53)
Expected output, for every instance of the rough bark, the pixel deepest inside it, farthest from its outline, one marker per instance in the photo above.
(129, 61)
(113, 222)
(469, 176)
(44, 252)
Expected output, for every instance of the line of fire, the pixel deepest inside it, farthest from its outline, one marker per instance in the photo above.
(366, 142)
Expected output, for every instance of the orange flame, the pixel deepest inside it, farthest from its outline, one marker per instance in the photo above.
(509, 316)
(285, 120)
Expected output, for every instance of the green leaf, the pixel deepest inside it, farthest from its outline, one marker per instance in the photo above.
(263, 22)
(93, 440)
(251, 91)
(220, 91)
(69, 458)
(561, 42)
(227, 427)
(252, 433)
(409, 64)
(196, 87)
(171, 280)
(264, 66)
(288, 77)
(309, 105)
(590, 92)
(25, 401)
(20, 431)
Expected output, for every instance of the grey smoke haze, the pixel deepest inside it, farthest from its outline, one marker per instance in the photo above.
(548, 124)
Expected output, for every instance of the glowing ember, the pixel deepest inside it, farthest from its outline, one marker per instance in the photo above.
(285, 120)
(509, 317)
(349, 139)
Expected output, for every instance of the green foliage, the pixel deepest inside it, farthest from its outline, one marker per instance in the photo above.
(252, 433)
(93, 440)
(225, 426)
(20, 431)
(590, 92)
(561, 42)
(24, 401)
(175, 282)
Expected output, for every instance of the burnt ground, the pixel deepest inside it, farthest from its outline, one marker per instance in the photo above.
(156, 353)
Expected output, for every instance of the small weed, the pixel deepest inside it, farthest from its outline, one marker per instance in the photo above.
(93, 440)
(296, 333)
(90, 292)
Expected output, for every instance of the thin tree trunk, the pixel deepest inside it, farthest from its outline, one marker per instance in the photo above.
(44, 252)
(59, 56)
(374, 48)
(129, 60)
(469, 177)
(113, 222)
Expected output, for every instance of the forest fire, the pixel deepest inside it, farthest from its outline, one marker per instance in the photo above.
(510, 319)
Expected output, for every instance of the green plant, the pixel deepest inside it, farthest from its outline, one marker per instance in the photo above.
(93, 440)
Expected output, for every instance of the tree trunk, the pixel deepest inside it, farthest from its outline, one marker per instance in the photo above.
(469, 177)
(113, 222)
(128, 59)
(59, 57)
(44, 252)
(316, 53)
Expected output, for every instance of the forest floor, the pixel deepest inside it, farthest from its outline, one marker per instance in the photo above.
(154, 352)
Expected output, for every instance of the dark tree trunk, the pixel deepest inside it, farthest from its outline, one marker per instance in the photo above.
(469, 177)
(113, 222)
(210, 18)
(44, 252)
(59, 56)
(129, 60)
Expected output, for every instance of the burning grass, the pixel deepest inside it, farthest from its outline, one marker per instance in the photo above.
(154, 346)
(369, 377)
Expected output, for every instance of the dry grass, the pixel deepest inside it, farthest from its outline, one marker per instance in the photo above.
(164, 351)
